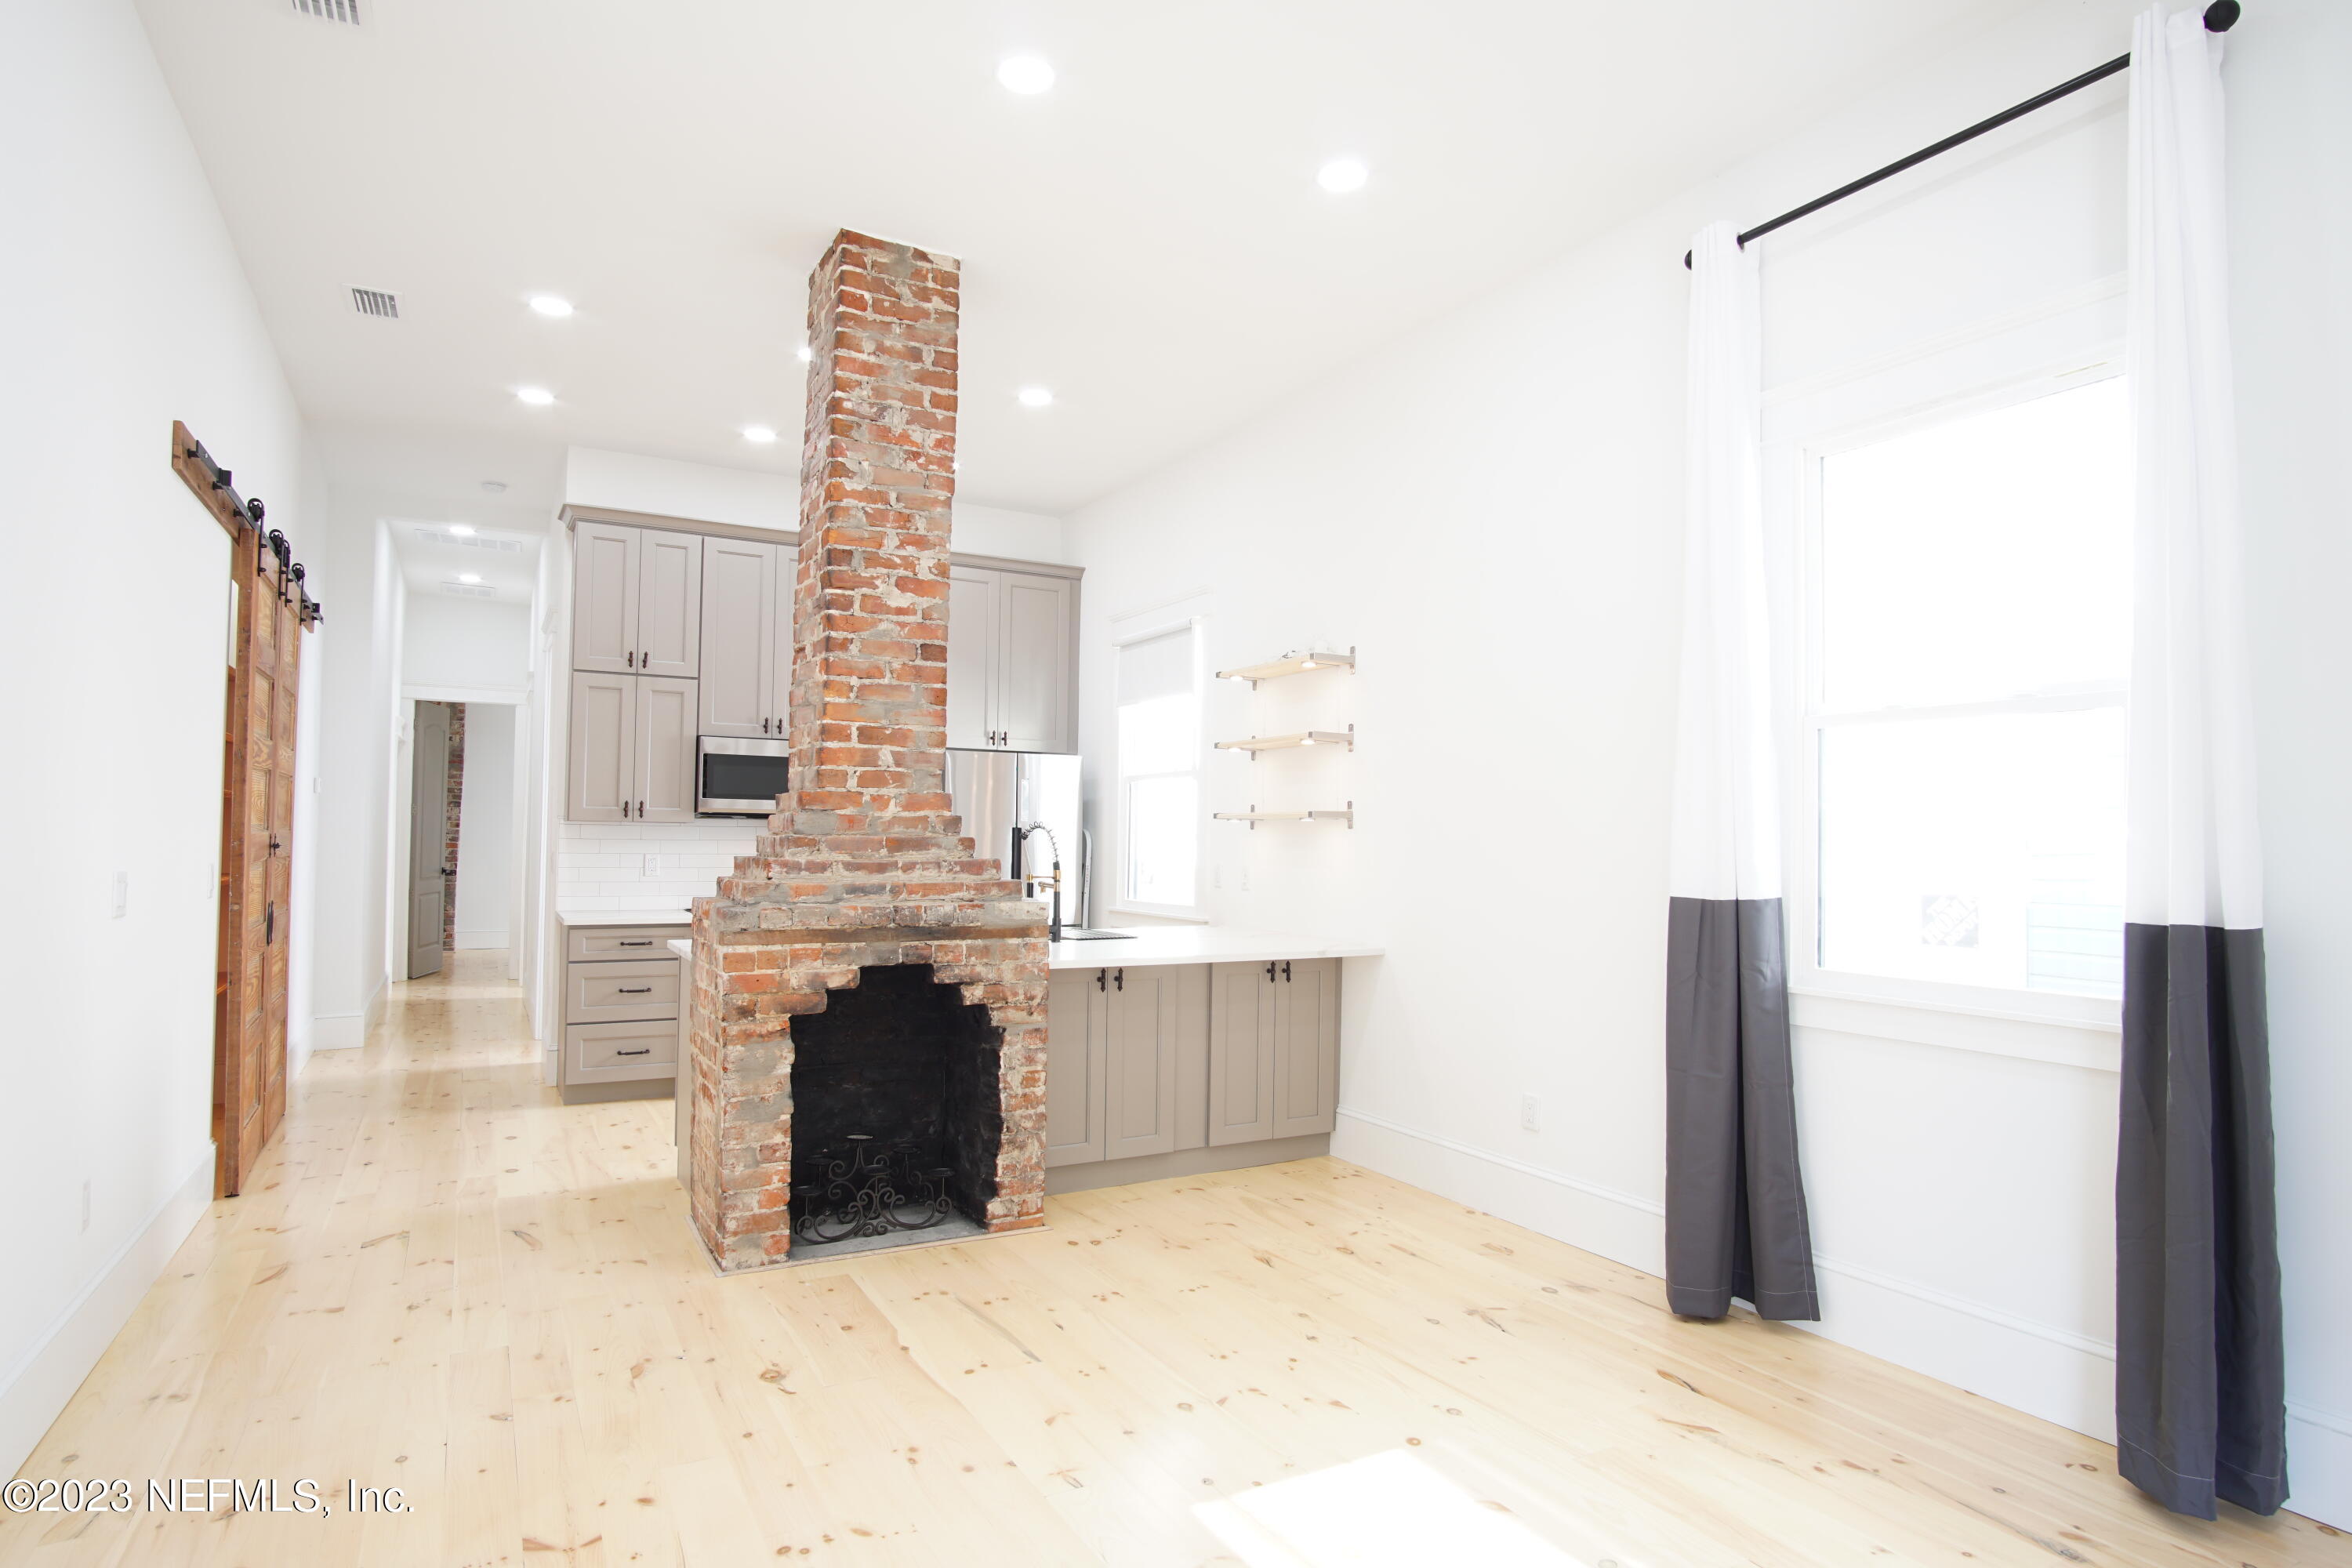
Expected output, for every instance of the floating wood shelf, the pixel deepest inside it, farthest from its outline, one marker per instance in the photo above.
(1257, 743)
(1290, 664)
(1346, 818)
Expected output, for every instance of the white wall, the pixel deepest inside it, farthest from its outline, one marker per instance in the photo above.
(486, 829)
(1490, 512)
(452, 645)
(125, 309)
(361, 684)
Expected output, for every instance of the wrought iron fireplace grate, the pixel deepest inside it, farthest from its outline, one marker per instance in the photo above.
(869, 1188)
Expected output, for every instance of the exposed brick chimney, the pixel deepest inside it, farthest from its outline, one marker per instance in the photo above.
(863, 865)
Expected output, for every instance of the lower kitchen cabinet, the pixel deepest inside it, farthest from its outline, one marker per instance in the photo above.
(622, 1003)
(1160, 1059)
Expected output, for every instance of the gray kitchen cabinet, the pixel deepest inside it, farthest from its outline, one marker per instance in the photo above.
(665, 749)
(1305, 1046)
(972, 656)
(1273, 1049)
(1009, 663)
(1150, 1011)
(637, 600)
(604, 597)
(669, 605)
(1076, 1048)
(745, 585)
(623, 999)
(631, 749)
(603, 785)
(1240, 1052)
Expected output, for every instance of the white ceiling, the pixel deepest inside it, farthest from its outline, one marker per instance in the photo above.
(1147, 240)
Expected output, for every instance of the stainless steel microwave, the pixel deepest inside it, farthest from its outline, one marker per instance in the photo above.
(734, 777)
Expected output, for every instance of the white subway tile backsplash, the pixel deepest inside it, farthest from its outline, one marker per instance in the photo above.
(602, 865)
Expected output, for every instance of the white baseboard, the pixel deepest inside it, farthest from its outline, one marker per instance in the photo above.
(467, 940)
(2057, 1373)
(46, 1374)
(348, 1031)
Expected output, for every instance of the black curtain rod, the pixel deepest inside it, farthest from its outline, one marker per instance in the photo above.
(2219, 17)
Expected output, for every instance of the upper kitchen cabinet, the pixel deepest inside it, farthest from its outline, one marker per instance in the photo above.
(1010, 669)
(746, 638)
(637, 600)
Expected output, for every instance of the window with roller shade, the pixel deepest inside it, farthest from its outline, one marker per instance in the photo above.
(1159, 773)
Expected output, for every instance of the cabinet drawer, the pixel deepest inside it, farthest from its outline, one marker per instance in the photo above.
(635, 988)
(593, 943)
(610, 1053)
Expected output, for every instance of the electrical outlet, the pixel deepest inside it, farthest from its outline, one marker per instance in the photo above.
(1217, 876)
(121, 902)
(1245, 886)
(1530, 1113)
(85, 1207)
(653, 864)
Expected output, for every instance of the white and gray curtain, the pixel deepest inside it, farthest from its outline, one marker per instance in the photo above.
(2199, 1375)
(1736, 1223)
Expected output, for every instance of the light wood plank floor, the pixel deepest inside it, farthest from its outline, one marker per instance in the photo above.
(448, 1283)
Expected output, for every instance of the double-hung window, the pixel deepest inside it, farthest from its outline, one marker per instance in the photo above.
(1967, 587)
(1159, 681)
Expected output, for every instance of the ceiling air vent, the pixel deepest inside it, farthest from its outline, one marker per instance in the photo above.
(345, 11)
(470, 541)
(376, 302)
(470, 590)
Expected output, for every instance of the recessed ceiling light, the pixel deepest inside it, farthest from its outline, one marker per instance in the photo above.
(1036, 397)
(462, 529)
(806, 354)
(1024, 74)
(1342, 176)
(469, 576)
(760, 435)
(537, 396)
(550, 305)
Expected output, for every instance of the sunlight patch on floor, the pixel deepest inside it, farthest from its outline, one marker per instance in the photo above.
(1387, 1511)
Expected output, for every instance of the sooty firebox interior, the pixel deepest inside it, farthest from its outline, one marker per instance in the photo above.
(896, 1110)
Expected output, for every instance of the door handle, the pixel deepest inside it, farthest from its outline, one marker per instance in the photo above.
(449, 870)
(644, 1051)
(634, 990)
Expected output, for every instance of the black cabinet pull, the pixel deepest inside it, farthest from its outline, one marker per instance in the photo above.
(1102, 977)
(1118, 978)
(635, 941)
(633, 659)
(634, 990)
(1286, 971)
(647, 1051)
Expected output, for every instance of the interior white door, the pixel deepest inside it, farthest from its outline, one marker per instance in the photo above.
(670, 603)
(428, 871)
(603, 597)
(738, 628)
(1033, 673)
(665, 750)
(972, 606)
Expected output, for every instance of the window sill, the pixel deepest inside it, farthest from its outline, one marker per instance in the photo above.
(1183, 919)
(2096, 1046)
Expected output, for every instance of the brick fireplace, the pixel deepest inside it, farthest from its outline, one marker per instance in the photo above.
(861, 975)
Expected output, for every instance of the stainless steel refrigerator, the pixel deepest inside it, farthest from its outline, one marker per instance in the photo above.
(1001, 794)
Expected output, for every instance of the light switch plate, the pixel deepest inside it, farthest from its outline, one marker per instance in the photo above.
(1530, 1113)
(121, 902)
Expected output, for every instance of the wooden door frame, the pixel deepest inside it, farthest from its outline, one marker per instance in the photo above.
(269, 582)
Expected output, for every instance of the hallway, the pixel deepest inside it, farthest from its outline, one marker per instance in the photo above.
(447, 1283)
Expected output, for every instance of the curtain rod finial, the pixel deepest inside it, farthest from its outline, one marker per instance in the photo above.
(2221, 16)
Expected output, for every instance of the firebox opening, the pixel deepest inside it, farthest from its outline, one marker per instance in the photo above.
(894, 1084)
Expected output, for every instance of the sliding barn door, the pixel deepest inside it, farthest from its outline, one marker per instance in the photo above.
(256, 865)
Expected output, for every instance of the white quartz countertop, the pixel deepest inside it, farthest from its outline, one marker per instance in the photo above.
(1164, 944)
(1200, 944)
(624, 917)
